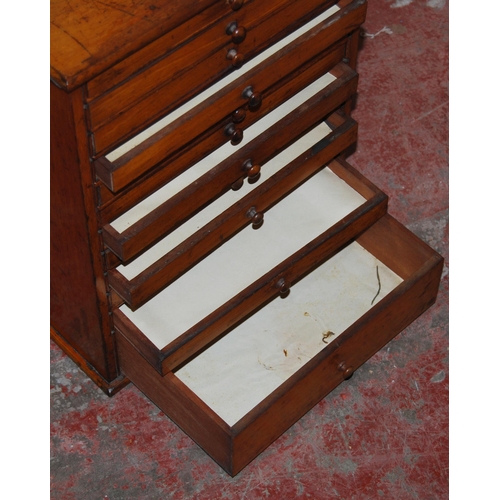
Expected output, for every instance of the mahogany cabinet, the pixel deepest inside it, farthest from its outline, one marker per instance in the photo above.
(209, 241)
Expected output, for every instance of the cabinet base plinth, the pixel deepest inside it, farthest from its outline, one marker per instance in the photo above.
(109, 388)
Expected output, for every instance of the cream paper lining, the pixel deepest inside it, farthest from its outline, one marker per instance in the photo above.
(213, 159)
(288, 226)
(218, 206)
(244, 367)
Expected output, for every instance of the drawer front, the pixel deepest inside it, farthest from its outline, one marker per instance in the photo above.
(225, 114)
(301, 231)
(194, 63)
(230, 173)
(234, 440)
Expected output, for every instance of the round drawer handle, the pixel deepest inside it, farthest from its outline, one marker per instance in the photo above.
(236, 134)
(254, 98)
(236, 58)
(252, 171)
(257, 217)
(283, 286)
(237, 33)
(239, 115)
(236, 4)
(237, 184)
(346, 370)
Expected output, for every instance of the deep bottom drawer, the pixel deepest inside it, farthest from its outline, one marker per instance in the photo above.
(239, 395)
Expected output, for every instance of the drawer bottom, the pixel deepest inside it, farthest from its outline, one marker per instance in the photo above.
(239, 395)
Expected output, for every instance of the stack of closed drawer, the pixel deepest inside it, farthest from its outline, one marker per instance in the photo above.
(242, 267)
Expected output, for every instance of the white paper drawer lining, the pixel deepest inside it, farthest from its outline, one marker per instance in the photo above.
(244, 367)
(210, 161)
(288, 226)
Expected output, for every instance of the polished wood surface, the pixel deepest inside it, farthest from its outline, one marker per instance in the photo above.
(109, 388)
(191, 414)
(88, 37)
(118, 68)
(79, 307)
(99, 49)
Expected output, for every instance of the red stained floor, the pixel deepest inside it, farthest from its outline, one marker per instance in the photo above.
(381, 434)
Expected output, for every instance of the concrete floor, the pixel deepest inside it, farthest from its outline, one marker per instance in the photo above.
(381, 434)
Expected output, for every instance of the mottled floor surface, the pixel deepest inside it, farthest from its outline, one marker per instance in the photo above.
(381, 434)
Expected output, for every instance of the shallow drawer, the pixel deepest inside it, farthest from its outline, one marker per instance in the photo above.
(239, 395)
(142, 279)
(224, 111)
(307, 226)
(177, 73)
(222, 171)
(180, 165)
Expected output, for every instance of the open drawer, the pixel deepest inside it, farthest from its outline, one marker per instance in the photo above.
(162, 264)
(241, 393)
(284, 124)
(225, 110)
(191, 58)
(169, 207)
(331, 208)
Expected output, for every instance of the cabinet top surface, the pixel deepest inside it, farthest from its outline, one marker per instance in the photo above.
(89, 36)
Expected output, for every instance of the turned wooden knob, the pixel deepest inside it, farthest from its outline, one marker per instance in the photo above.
(346, 370)
(235, 134)
(257, 217)
(236, 4)
(283, 287)
(239, 115)
(252, 171)
(254, 98)
(236, 58)
(237, 184)
(237, 33)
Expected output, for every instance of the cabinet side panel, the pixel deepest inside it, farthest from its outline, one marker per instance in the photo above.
(76, 312)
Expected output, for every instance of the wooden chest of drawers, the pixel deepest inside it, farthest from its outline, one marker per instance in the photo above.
(209, 241)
